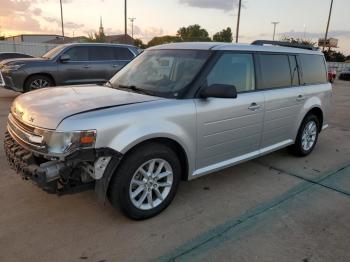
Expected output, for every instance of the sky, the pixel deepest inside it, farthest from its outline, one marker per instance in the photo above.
(298, 18)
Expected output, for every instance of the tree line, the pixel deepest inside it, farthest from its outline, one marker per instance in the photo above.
(192, 33)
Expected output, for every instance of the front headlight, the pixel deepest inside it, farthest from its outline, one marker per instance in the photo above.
(12, 67)
(66, 142)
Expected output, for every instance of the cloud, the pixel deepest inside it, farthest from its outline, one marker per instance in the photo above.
(146, 33)
(225, 5)
(57, 21)
(9, 8)
(332, 33)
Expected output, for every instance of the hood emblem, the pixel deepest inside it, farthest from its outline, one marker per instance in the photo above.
(31, 119)
(18, 113)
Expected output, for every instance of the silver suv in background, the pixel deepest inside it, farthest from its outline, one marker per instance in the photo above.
(68, 64)
(177, 111)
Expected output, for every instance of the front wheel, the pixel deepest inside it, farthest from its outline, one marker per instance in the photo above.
(307, 136)
(37, 82)
(146, 182)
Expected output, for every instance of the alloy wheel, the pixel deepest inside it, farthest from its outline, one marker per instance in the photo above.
(151, 184)
(308, 137)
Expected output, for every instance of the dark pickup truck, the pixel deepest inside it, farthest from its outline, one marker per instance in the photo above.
(79, 63)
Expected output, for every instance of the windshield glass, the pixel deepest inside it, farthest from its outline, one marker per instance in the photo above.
(162, 73)
(53, 52)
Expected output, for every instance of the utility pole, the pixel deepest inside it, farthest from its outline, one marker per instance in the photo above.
(125, 21)
(132, 19)
(329, 19)
(62, 19)
(238, 19)
(274, 29)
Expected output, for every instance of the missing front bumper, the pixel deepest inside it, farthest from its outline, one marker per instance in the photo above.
(61, 177)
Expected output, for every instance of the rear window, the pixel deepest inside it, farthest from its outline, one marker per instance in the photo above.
(122, 53)
(100, 53)
(314, 69)
(275, 71)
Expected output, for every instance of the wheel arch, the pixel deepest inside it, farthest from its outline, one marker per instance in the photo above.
(41, 74)
(171, 143)
(317, 111)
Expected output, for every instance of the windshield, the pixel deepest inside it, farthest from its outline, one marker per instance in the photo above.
(54, 52)
(162, 73)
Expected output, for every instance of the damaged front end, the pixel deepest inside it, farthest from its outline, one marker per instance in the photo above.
(59, 167)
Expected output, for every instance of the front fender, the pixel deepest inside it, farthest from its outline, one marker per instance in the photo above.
(136, 134)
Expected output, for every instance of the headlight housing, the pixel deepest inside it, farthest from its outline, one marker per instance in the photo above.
(12, 67)
(67, 142)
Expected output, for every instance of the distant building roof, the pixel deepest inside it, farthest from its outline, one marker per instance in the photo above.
(9, 37)
(120, 39)
(67, 40)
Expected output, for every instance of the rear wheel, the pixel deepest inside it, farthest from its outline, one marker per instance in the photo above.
(307, 136)
(146, 182)
(37, 82)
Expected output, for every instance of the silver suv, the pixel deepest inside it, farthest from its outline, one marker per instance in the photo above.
(177, 111)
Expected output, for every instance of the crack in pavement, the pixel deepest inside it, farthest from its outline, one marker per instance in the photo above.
(313, 181)
(220, 230)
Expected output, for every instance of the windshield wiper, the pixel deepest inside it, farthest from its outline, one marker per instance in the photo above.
(135, 89)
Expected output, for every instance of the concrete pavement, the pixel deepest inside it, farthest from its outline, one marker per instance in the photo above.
(275, 208)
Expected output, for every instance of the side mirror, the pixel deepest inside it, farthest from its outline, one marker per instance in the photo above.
(64, 58)
(219, 91)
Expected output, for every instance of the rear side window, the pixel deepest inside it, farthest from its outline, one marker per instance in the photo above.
(314, 69)
(275, 71)
(122, 53)
(233, 69)
(100, 53)
(78, 53)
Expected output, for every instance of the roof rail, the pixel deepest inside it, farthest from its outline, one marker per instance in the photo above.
(282, 43)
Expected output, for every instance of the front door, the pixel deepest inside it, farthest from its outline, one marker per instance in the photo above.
(78, 69)
(229, 130)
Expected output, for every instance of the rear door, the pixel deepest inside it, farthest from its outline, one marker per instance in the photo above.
(122, 56)
(101, 63)
(229, 130)
(284, 98)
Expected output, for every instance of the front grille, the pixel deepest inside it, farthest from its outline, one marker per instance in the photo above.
(25, 135)
(24, 126)
(2, 81)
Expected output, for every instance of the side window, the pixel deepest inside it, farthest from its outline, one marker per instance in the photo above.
(275, 71)
(122, 53)
(78, 53)
(294, 70)
(233, 69)
(100, 53)
(314, 69)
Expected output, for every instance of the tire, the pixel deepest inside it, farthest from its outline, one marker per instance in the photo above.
(36, 82)
(306, 138)
(123, 185)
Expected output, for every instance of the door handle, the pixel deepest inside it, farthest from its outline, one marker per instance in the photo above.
(254, 106)
(115, 66)
(86, 66)
(300, 98)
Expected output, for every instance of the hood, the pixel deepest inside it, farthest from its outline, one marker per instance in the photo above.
(21, 61)
(47, 107)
